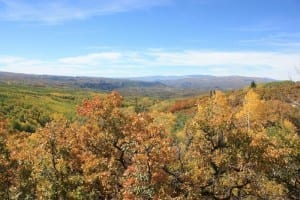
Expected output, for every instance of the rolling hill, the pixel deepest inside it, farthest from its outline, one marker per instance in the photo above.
(145, 85)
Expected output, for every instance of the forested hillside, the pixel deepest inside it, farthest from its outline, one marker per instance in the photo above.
(64, 143)
(160, 86)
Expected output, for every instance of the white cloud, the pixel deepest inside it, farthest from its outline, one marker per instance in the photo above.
(54, 11)
(92, 59)
(162, 62)
(199, 58)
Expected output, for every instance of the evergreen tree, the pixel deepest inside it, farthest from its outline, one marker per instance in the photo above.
(253, 84)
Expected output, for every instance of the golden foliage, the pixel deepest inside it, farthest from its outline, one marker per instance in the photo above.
(226, 151)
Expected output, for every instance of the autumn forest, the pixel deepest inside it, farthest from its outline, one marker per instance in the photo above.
(83, 144)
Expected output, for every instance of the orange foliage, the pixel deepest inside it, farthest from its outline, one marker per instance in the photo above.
(182, 105)
(226, 152)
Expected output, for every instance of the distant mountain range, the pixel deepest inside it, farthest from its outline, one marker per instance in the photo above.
(198, 83)
(204, 82)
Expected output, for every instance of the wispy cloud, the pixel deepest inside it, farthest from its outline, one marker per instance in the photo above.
(56, 11)
(263, 26)
(161, 62)
(288, 41)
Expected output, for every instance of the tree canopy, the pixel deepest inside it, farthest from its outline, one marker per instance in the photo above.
(233, 147)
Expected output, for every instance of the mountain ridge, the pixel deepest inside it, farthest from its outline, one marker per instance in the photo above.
(187, 83)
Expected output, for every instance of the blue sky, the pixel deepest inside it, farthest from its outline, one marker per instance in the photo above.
(125, 38)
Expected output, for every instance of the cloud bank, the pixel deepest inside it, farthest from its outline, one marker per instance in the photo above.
(161, 62)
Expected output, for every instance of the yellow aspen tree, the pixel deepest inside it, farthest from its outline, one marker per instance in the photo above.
(252, 112)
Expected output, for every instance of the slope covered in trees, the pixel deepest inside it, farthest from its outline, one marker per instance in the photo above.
(241, 144)
(160, 86)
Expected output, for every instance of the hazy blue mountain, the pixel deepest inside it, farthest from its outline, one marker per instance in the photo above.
(204, 82)
(150, 85)
(83, 82)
